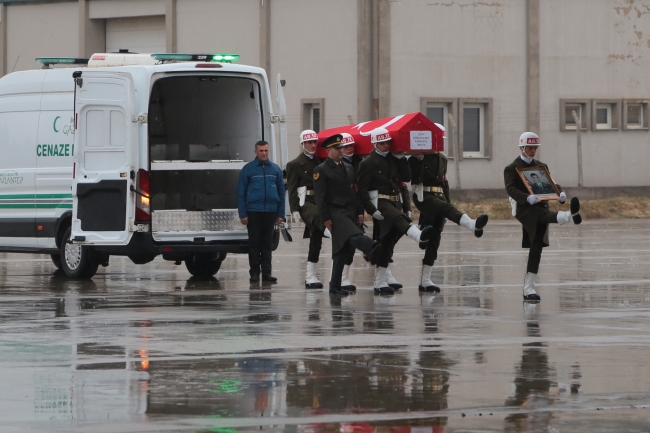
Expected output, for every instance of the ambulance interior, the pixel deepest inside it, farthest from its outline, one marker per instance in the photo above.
(202, 129)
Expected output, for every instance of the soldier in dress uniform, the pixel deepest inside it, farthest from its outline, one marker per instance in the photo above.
(350, 158)
(431, 197)
(534, 214)
(382, 175)
(302, 201)
(341, 211)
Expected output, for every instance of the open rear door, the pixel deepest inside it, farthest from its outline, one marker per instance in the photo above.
(105, 152)
(284, 150)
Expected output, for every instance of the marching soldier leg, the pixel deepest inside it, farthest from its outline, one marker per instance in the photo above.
(315, 243)
(395, 219)
(390, 280)
(430, 256)
(337, 269)
(534, 258)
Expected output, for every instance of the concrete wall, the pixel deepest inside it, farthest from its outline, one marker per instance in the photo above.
(464, 49)
(314, 47)
(40, 30)
(594, 49)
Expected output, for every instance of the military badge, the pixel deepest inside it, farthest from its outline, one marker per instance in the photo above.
(316, 176)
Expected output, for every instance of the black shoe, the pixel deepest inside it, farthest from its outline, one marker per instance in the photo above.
(575, 210)
(338, 291)
(386, 290)
(532, 298)
(425, 236)
(350, 288)
(396, 286)
(373, 255)
(430, 289)
(269, 278)
(312, 285)
(481, 222)
(255, 279)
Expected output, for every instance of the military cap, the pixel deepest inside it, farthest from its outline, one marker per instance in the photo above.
(333, 141)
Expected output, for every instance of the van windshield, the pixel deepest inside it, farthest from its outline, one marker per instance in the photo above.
(198, 118)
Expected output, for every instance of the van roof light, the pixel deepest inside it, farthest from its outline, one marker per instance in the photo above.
(178, 57)
(49, 61)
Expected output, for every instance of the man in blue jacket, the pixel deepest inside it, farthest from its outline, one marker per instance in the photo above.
(260, 199)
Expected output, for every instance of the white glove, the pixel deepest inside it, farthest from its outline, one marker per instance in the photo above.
(562, 198)
(420, 157)
(296, 217)
(409, 213)
(532, 199)
(378, 216)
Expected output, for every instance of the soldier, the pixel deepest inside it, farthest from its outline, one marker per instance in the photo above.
(302, 202)
(383, 173)
(534, 214)
(431, 197)
(341, 212)
(354, 160)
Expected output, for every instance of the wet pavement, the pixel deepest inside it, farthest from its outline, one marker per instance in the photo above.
(146, 348)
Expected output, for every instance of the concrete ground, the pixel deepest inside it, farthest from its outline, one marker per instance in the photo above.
(146, 348)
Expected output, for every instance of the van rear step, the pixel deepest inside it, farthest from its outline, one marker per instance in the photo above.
(216, 220)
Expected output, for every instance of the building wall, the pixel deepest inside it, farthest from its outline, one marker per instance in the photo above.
(443, 48)
(40, 30)
(314, 47)
(604, 54)
(464, 49)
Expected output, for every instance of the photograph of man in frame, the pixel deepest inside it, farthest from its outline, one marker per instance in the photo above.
(538, 182)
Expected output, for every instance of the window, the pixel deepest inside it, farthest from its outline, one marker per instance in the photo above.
(475, 128)
(438, 111)
(606, 114)
(581, 109)
(635, 114)
(312, 114)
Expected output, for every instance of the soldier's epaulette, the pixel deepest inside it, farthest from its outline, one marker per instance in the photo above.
(443, 156)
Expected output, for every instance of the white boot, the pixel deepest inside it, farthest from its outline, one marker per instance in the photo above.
(311, 281)
(414, 233)
(564, 218)
(468, 223)
(345, 279)
(529, 287)
(381, 286)
(426, 285)
(392, 282)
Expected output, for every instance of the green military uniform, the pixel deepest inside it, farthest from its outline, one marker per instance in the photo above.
(431, 171)
(534, 218)
(337, 202)
(300, 172)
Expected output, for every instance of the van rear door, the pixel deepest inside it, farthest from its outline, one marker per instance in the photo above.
(105, 156)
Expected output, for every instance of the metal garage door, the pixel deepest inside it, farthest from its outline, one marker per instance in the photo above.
(139, 35)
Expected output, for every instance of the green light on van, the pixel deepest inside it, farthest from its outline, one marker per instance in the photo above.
(48, 61)
(225, 58)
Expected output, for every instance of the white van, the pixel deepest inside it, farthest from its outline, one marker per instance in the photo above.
(132, 154)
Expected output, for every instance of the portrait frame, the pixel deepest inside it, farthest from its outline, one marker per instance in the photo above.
(546, 189)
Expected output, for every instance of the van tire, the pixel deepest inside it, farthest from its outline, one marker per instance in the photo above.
(201, 266)
(77, 262)
(56, 260)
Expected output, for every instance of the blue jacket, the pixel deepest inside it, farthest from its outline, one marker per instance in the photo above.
(260, 189)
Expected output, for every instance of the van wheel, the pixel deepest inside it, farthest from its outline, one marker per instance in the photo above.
(204, 266)
(77, 261)
(56, 260)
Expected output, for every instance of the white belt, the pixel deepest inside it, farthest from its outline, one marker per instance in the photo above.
(302, 193)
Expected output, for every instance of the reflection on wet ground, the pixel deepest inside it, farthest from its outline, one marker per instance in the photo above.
(146, 348)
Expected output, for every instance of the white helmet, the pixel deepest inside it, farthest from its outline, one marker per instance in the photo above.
(379, 134)
(308, 135)
(348, 140)
(528, 139)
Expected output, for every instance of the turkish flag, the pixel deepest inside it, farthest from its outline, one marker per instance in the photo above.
(412, 133)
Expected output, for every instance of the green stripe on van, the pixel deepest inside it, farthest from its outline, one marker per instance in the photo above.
(36, 206)
(33, 196)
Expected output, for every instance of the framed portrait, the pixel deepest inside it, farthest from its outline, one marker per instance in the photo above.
(538, 182)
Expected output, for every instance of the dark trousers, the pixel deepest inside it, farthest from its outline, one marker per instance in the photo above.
(535, 251)
(315, 243)
(260, 241)
(345, 255)
(431, 253)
